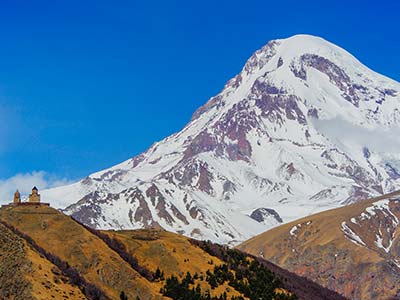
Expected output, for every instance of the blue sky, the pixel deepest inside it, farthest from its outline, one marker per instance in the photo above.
(87, 84)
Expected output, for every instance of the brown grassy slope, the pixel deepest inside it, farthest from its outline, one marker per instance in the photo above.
(175, 255)
(95, 261)
(320, 251)
(113, 261)
(302, 287)
(25, 275)
(171, 253)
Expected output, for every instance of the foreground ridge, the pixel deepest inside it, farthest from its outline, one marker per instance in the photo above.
(70, 261)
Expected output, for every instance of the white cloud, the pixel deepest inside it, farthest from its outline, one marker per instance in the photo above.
(25, 182)
(343, 132)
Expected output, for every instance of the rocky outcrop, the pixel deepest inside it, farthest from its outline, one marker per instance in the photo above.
(263, 214)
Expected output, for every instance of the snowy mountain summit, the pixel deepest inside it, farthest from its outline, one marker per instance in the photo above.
(302, 128)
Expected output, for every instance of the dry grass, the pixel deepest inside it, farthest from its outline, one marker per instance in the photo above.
(97, 263)
(321, 252)
(68, 240)
(48, 282)
(13, 267)
(26, 275)
(172, 253)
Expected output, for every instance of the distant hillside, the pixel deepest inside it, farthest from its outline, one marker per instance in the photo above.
(47, 255)
(354, 250)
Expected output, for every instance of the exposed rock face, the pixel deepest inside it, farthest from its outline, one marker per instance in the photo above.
(353, 250)
(268, 140)
(264, 214)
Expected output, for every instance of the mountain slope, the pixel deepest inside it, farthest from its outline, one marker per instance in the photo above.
(302, 128)
(47, 255)
(71, 243)
(354, 250)
(24, 274)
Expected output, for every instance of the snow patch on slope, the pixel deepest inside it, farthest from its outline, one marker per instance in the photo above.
(351, 235)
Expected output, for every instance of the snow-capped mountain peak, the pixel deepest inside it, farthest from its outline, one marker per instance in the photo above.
(303, 127)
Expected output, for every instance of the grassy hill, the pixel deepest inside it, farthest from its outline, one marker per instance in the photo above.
(354, 250)
(24, 274)
(47, 255)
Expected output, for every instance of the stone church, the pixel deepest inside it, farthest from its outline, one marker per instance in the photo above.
(33, 198)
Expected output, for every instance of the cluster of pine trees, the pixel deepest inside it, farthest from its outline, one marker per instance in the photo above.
(245, 274)
(248, 277)
(186, 289)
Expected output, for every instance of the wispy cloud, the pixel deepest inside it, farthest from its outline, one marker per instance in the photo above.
(25, 182)
(343, 132)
